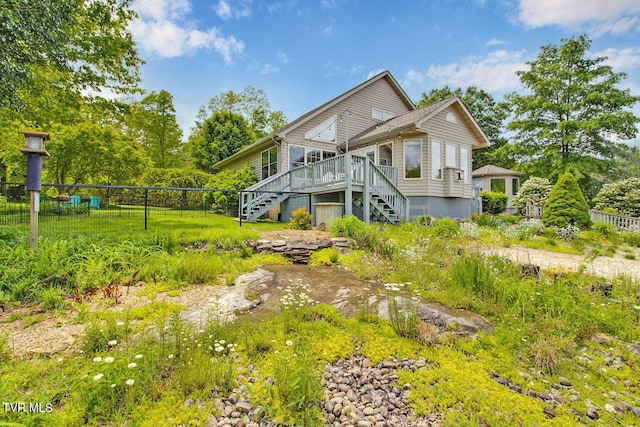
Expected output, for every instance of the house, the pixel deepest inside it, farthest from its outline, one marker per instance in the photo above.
(371, 151)
(499, 180)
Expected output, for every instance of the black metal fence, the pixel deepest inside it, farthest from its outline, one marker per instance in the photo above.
(99, 208)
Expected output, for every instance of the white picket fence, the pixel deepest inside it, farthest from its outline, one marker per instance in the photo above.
(621, 222)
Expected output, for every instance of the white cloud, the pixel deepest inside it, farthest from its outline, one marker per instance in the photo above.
(268, 69)
(495, 72)
(283, 57)
(495, 42)
(162, 29)
(226, 9)
(328, 30)
(374, 73)
(334, 69)
(223, 10)
(601, 16)
(413, 76)
(621, 59)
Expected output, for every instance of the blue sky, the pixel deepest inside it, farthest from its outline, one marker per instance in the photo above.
(303, 53)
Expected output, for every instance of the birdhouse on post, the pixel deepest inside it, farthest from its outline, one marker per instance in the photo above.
(35, 150)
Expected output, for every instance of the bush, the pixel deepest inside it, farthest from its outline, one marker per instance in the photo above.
(228, 180)
(424, 220)
(535, 190)
(446, 227)
(348, 226)
(568, 232)
(566, 205)
(631, 236)
(604, 229)
(494, 203)
(301, 219)
(486, 220)
(622, 196)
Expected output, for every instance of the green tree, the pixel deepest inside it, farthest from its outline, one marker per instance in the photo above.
(253, 105)
(489, 114)
(229, 180)
(88, 153)
(572, 113)
(566, 204)
(153, 121)
(74, 45)
(222, 135)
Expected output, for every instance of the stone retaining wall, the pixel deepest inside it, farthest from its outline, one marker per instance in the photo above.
(298, 250)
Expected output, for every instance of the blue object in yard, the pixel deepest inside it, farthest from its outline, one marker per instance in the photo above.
(75, 200)
(95, 202)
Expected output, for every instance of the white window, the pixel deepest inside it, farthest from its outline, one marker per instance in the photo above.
(412, 158)
(451, 118)
(378, 114)
(269, 162)
(296, 157)
(301, 156)
(436, 160)
(464, 163)
(325, 131)
(450, 158)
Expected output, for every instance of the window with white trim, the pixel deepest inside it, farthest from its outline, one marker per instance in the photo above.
(301, 156)
(378, 114)
(325, 131)
(436, 160)
(464, 163)
(412, 158)
(269, 162)
(450, 156)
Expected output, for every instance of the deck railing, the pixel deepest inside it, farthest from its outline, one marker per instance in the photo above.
(347, 169)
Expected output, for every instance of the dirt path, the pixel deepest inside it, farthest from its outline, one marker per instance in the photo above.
(608, 267)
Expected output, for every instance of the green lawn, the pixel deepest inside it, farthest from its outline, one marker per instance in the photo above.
(544, 329)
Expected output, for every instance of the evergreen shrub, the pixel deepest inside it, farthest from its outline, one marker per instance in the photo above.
(566, 205)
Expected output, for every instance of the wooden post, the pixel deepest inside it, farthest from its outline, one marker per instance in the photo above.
(34, 197)
(366, 196)
(348, 192)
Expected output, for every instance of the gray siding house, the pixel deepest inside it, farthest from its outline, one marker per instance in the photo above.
(370, 151)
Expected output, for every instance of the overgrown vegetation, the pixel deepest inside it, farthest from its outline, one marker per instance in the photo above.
(558, 325)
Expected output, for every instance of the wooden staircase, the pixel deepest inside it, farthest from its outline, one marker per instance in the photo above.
(381, 200)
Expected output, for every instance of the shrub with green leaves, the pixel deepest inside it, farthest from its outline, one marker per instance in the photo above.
(566, 205)
(301, 219)
(228, 180)
(535, 190)
(493, 202)
(446, 227)
(621, 196)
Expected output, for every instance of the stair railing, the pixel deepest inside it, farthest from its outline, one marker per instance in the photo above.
(383, 187)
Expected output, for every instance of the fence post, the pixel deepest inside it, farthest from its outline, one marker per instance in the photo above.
(240, 207)
(146, 207)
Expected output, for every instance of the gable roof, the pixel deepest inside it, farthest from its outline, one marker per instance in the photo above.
(414, 119)
(281, 133)
(493, 170)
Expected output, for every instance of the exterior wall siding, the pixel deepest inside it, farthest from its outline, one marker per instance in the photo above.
(458, 134)
(439, 207)
(380, 94)
(292, 203)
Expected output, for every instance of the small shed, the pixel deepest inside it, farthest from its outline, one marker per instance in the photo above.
(497, 179)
